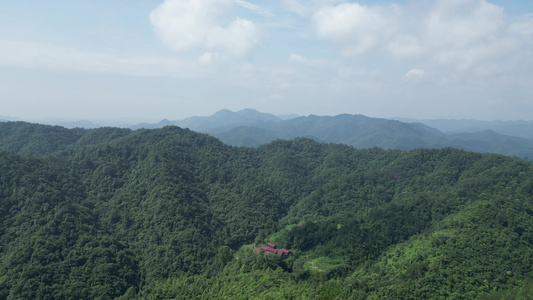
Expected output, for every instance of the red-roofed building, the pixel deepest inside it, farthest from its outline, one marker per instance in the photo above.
(284, 252)
(271, 249)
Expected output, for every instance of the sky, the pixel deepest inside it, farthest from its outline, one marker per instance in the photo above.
(156, 59)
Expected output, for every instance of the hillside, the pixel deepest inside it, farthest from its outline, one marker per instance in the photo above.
(492, 142)
(355, 130)
(520, 128)
(364, 132)
(170, 213)
(251, 128)
(35, 139)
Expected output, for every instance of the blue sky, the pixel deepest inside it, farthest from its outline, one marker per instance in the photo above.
(172, 59)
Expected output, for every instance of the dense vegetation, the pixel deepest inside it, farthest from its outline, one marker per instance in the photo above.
(251, 128)
(172, 214)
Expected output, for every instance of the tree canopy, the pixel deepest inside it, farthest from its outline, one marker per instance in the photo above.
(172, 214)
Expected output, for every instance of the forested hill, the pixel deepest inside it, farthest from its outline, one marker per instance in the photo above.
(365, 132)
(172, 214)
(36, 139)
(252, 128)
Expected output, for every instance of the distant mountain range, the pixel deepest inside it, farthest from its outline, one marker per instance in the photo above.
(449, 126)
(252, 128)
(222, 121)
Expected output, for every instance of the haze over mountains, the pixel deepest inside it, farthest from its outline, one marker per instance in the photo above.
(519, 128)
(252, 128)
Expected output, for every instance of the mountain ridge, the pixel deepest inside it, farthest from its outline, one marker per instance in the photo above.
(365, 132)
(172, 213)
(519, 128)
(252, 128)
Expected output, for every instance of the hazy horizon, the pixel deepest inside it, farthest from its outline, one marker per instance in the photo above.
(172, 59)
(130, 121)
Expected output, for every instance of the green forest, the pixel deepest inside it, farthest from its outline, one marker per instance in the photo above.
(169, 213)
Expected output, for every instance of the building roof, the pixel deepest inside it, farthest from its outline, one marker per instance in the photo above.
(270, 249)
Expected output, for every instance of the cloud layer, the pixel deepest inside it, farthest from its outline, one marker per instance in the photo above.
(206, 25)
(356, 28)
(303, 56)
(458, 33)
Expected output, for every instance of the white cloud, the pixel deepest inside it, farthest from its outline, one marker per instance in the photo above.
(414, 75)
(356, 28)
(258, 9)
(465, 58)
(405, 46)
(296, 6)
(299, 59)
(523, 27)
(34, 55)
(461, 34)
(307, 7)
(461, 23)
(347, 72)
(209, 58)
(472, 33)
(205, 25)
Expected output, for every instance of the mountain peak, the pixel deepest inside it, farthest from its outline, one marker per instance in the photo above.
(224, 112)
(249, 110)
(257, 115)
